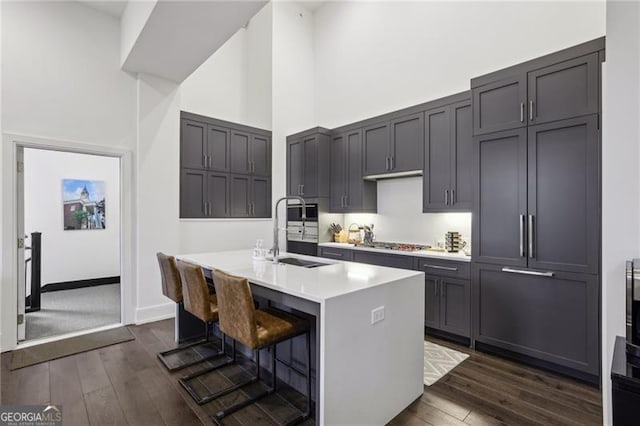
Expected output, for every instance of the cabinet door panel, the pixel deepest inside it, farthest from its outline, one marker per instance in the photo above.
(382, 259)
(218, 148)
(338, 178)
(407, 143)
(437, 172)
(355, 184)
(376, 149)
(261, 197)
(554, 319)
(295, 161)
(565, 90)
(563, 195)
(239, 196)
(218, 194)
(431, 302)
(500, 105)
(193, 144)
(310, 168)
(336, 253)
(455, 306)
(261, 155)
(239, 151)
(192, 193)
(461, 157)
(501, 188)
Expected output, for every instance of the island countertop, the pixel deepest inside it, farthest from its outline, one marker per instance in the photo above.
(334, 279)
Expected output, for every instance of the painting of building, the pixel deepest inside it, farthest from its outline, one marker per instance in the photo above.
(83, 204)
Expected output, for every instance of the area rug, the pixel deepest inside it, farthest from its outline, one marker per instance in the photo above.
(65, 347)
(438, 361)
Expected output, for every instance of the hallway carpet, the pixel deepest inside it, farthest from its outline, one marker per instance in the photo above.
(66, 311)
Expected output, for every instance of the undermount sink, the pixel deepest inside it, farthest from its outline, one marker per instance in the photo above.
(302, 263)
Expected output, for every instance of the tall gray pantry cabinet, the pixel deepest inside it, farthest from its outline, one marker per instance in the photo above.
(225, 169)
(536, 213)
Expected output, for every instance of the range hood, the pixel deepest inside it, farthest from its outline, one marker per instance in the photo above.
(393, 175)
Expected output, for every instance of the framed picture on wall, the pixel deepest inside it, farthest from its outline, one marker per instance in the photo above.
(83, 204)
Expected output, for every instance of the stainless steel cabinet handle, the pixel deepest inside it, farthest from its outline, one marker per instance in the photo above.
(522, 253)
(210, 161)
(330, 253)
(386, 164)
(446, 197)
(391, 163)
(530, 110)
(521, 112)
(531, 234)
(210, 209)
(443, 268)
(302, 189)
(526, 272)
(453, 196)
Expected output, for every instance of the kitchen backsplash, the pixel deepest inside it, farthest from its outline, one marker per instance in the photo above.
(400, 217)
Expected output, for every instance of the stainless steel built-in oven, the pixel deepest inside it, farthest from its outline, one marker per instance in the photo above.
(302, 234)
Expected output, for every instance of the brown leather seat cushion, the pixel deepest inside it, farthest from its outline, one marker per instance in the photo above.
(274, 325)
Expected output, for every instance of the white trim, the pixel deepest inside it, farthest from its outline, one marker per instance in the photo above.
(8, 289)
(35, 342)
(155, 313)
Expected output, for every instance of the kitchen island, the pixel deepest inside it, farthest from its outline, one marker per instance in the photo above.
(365, 372)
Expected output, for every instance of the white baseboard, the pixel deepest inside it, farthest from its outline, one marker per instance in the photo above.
(155, 313)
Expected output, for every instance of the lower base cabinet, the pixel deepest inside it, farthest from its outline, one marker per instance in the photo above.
(553, 318)
(448, 305)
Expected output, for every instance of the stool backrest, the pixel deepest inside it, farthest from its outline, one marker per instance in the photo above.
(171, 283)
(236, 310)
(195, 291)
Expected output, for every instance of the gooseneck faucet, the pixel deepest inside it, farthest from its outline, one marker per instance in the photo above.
(275, 250)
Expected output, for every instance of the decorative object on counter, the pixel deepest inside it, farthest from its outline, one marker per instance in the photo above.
(339, 235)
(355, 236)
(368, 234)
(259, 253)
(453, 241)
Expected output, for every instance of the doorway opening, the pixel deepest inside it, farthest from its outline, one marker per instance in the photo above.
(69, 260)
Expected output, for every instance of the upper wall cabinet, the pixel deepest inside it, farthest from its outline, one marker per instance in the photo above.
(394, 146)
(210, 150)
(308, 163)
(555, 87)
(448, 155)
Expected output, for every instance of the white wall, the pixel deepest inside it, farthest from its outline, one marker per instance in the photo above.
(61, 74)
(376, 57)
(400, 217)
(620, 174)
(71, 255)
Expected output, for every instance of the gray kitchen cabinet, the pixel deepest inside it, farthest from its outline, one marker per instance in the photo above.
(500, 206)
(250, 154)
(565, 90)
(431, 302)
(500, 105)
(209, 150)
(383, 259)
(447, 295)
(394, 146)
(407, 143)
(308, 163)
(193, 193)
(376, 149)
(564, 84)
(447, 178)
(552, 317)
(193, 146)
(349, 193)
(250, 196)
(203, 194)
(563, 195)
(336, 253)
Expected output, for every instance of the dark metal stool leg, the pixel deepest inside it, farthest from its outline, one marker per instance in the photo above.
(162, 355)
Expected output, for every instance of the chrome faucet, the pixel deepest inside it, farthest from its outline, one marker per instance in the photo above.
(275, 250)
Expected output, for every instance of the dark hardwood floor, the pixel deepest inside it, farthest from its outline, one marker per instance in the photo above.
(125, 384)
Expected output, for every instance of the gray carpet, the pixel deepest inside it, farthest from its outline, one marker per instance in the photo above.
(66, 311)
(65, 347)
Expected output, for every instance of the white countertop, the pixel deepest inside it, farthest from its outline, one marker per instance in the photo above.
(422, 253)
(318, 284)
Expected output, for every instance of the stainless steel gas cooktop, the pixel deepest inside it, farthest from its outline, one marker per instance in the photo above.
(394, 246)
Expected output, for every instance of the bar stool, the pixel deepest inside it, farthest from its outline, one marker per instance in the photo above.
(172, 288)
(257, 329)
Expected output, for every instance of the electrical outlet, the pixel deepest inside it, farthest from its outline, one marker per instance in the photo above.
(377, 314)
